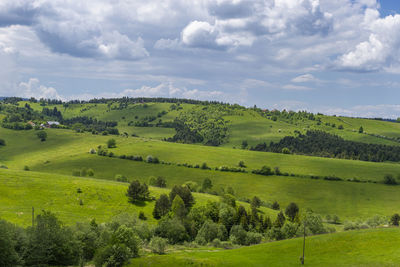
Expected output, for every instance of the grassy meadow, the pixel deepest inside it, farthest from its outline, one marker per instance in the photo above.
(66, 151)
(49, 184)
(249, 125)
(101, 199)
(376, 247)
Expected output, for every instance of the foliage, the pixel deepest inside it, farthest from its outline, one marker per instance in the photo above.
(200, 126)
(158, 182)
(209, 231)
(319, 143)
(42, 135)
(395, 219)
(207, 184)
(111, 143)
(8, 245)
(265, 170)
(291, 211)
(158, 245)
(137, 192)
(178, 207)
(389, 179)
(275, 205)
(185, 195)
(172, 229)
(50, 242)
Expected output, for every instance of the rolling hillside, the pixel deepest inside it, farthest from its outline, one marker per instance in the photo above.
(66, 151)
(377, 247)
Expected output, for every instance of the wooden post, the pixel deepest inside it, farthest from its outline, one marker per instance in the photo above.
(33, 216)
(304, 243)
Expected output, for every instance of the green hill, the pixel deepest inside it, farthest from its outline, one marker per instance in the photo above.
(377, 247)
(101, 199)
(251, 125)
(66, 151)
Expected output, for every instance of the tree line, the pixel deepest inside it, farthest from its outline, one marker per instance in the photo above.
(322, 144)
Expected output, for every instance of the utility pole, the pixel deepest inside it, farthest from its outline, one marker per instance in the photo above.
(304, 243)
(33, 216)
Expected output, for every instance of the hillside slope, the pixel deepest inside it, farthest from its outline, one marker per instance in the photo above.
(377, 247)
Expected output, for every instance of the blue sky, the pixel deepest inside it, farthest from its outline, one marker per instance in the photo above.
(336, 57)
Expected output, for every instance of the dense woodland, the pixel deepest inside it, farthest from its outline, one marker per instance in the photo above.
(322, 144)
(200, 126)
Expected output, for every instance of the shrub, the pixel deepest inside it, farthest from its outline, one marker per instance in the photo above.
(376, 221)
(216, 243)
(275, 206)
(255, 202)
(193, 186)
(90, 172)
(351, 226)
(389, 180)
(238, 235)
(209, 231)
(291, 211)
(158, 182)
(76, 173)
(111, 143)
(83, 172)
(121, 178)
(253, 238)
(244, 144)
(207, 184)
(314, 223)
(395, 219)
(112, 255)
(92, 151)
(172, 229)
(285, 150)
(149, 159)
(2, 142)
(265, 170)
(277, 171)
(42, 135)
(204, 166)
(142, 216)
(229, 200)
(241, 164)
(158, 245)
(26, 168)
(289, 229)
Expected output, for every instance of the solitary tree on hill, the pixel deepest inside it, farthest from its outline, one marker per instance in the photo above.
(137, 192)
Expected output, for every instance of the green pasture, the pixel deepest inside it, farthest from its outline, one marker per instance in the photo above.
(374, 248)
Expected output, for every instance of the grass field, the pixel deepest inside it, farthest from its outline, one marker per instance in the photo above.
(63, 146)
(49, 184)
(376, 247)
(249, 126)
(66, 151)
(102, 199)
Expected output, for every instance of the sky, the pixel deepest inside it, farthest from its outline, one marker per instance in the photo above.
(336, 57)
